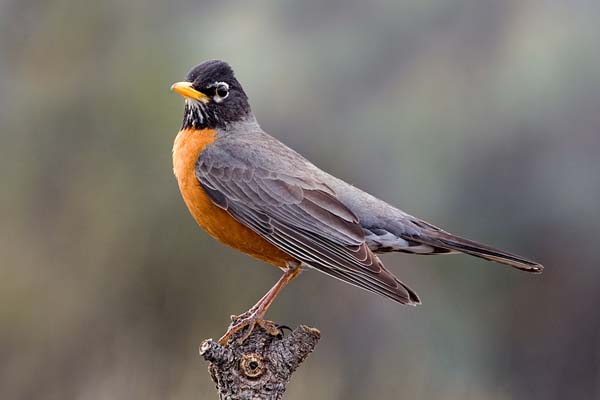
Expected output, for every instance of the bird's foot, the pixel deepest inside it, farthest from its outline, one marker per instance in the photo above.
(249, 320)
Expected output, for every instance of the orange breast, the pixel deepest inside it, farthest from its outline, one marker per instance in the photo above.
(218, 223)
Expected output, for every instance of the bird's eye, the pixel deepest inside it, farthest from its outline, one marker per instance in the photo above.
(221, 91)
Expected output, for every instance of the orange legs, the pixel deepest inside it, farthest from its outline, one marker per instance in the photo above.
(254, 316)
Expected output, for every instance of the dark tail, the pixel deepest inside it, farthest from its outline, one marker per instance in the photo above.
(443, 240)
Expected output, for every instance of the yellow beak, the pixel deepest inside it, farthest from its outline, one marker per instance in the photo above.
(186, 90)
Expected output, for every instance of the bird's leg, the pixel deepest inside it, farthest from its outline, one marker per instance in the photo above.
(254, 316)
(251, 311)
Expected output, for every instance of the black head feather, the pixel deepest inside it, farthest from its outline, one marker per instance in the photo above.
(219, 112)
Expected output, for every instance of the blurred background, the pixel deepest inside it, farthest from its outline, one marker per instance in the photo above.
(482, 117)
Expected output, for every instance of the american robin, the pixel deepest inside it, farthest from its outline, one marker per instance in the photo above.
(255, 194)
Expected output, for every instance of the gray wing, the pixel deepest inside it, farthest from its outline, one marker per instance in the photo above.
(293, 211)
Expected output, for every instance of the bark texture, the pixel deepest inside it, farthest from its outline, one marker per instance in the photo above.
(261, 367)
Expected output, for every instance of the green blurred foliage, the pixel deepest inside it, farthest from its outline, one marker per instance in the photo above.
(481, 116)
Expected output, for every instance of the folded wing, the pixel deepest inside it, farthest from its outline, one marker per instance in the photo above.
(299, 215)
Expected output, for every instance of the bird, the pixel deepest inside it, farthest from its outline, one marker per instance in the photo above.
(250, 191)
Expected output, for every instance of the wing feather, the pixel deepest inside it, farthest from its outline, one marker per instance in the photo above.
(300, 216)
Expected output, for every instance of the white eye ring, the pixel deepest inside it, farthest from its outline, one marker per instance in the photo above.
(221, 91)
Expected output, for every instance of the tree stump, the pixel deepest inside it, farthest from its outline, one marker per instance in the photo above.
(261, 367)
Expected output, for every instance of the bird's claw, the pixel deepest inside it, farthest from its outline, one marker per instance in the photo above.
(282, 328)
(249, 320)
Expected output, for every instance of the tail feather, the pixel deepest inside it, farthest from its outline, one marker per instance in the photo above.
(447, 241)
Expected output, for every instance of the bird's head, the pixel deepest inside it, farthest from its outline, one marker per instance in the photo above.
(213, 97)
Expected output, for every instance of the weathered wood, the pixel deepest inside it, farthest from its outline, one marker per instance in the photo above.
(261, 367)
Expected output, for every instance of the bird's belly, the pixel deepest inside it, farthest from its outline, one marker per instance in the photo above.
(216, 221)
(223, 227)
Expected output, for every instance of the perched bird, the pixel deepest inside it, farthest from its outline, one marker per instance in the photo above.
(255, 194)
